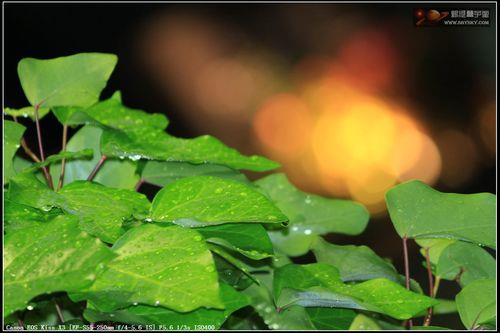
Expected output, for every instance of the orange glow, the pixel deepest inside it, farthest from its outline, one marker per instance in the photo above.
(369, 60)
(361, 145)
(428, 165)
(283, 123)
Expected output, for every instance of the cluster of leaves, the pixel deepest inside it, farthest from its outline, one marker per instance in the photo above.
(213, 249)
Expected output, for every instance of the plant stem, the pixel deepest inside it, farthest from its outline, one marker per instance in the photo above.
(27, 150)
(428, 317)
(59, 312)
(436, 285)
(63, 162)
(407, 271)
(138, 185)
(97, 167)
(45, 170)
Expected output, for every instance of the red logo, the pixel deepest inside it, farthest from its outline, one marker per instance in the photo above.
(428, 17)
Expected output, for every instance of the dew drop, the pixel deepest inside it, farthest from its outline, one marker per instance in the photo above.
(30, 307)
(157, 303)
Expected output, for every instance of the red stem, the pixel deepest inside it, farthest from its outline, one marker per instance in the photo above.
(45, 170)
(428, 317)
(97, 167)
(63, 162)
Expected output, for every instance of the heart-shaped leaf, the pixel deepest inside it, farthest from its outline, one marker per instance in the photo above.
(75, 80)
(419, 211)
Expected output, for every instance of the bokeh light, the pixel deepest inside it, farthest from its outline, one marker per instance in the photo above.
(336, 117)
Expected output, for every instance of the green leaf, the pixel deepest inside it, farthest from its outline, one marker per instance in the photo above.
(27, 111)
(82, 154)
(250, 240)
(205, 200)
(364, 323)
(51, 257)
(102, 210)
(18, 216)
(111, 113)
(233, 260)
(476, 303)
(163, 173)
(292, 318)
(145, 143)
(27, 189)
(319, 284)
(310, 215)
(435, 247)
(75, 80)
(168, 319)
(331, 318)
(465, 262)
(230, 274)
(355, 263)
(166, 266)
(13, 132)
(113, 173)
(419, 211)
(429, 328)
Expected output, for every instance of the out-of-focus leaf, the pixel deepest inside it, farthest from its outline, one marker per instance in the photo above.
(419, 211)
(355, 263)
(309, 215)
(13, 132)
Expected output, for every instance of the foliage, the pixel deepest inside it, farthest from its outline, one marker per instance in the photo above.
(212, 249)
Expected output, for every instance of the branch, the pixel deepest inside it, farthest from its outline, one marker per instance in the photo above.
(45, 170)
(97, 167)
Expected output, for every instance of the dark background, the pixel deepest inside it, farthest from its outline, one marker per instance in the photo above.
(450, 71)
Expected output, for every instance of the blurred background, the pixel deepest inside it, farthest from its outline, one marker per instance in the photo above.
(350, 98)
